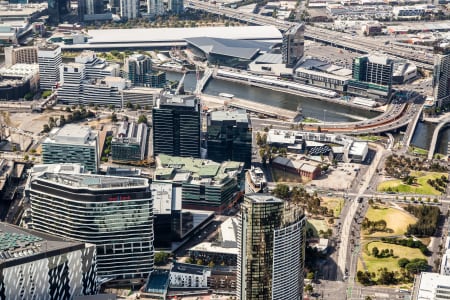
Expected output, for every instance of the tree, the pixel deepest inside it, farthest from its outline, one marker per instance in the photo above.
(309, 288)
(26, 157)
(142, 119)
(62, 120)
(161, 258)
(310, 275)
(46, 128)
(68, 109)
(211, 264)
(281, 191)
(319, 129)
(375, 251)
(402, 262)
(114, 117)
(129, 105)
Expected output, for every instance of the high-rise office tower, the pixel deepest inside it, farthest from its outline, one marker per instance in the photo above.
(57, 9)
(372, 76)
(441, 76)
(49, 60)
(373, 69)
(176, 6)
(155, 8)
(176, 126)
(72, 144)
(293, 45)
(229, 136)
(114, 213)
(129, 9)
(89, 7)
(271, 245)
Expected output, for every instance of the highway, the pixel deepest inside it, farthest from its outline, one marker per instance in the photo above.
(421, 58)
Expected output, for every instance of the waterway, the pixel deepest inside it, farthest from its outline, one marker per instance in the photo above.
(424, 133)
(312, 108)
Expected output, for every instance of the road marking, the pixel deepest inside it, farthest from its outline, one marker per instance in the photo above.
(381, 295)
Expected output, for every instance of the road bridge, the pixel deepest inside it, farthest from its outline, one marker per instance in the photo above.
(409, 133)
(204, 80)
(435, 136)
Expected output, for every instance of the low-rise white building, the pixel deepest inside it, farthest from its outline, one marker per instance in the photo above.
(189, 276)
(445, 264)
(432, 286)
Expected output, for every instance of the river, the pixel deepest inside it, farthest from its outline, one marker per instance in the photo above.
(424, 133)
(312, 108)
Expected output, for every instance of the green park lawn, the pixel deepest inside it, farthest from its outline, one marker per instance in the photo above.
(373, 264)
(335, 204)
(421, 187)
(317, 225)
(396, 219)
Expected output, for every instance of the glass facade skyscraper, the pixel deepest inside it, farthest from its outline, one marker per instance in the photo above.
(114, 213)
(229, 136)
(176, 126)
(271, 244)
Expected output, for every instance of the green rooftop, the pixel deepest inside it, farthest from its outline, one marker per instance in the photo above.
(199, 168)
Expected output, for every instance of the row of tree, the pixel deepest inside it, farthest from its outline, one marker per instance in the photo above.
(75, 116)
(384, 253)
(374, 226)
(309, 202)
(399, 166)
(407, 243)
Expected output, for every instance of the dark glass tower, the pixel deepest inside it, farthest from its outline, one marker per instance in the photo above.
(176, 126)
(229, 136)
(57, 9)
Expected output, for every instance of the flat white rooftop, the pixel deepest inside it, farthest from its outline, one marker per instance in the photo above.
(137, 35)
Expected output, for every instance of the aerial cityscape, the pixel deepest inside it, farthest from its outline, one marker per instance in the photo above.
(224, 149)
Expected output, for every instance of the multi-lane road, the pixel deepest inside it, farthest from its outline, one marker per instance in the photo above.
(421, 57)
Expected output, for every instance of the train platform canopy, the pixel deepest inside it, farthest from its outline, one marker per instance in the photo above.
(229, 47)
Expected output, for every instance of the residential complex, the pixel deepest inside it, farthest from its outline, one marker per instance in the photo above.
(114, 213)
(138, 69)
(72, 144)
(130, 143)
(49, 60)
(271, 243)
(229, 136)
(205, 184)
(34, 265)
(95, 67)
(21, 55)
(176, 126)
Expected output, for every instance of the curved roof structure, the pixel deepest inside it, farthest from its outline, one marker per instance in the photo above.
(234, 48)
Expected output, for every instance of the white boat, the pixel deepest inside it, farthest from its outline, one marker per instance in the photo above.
(226, 95)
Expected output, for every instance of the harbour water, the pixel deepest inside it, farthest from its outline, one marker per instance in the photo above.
(312, 108)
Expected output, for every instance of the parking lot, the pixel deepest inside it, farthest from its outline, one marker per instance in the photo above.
(337, 179)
